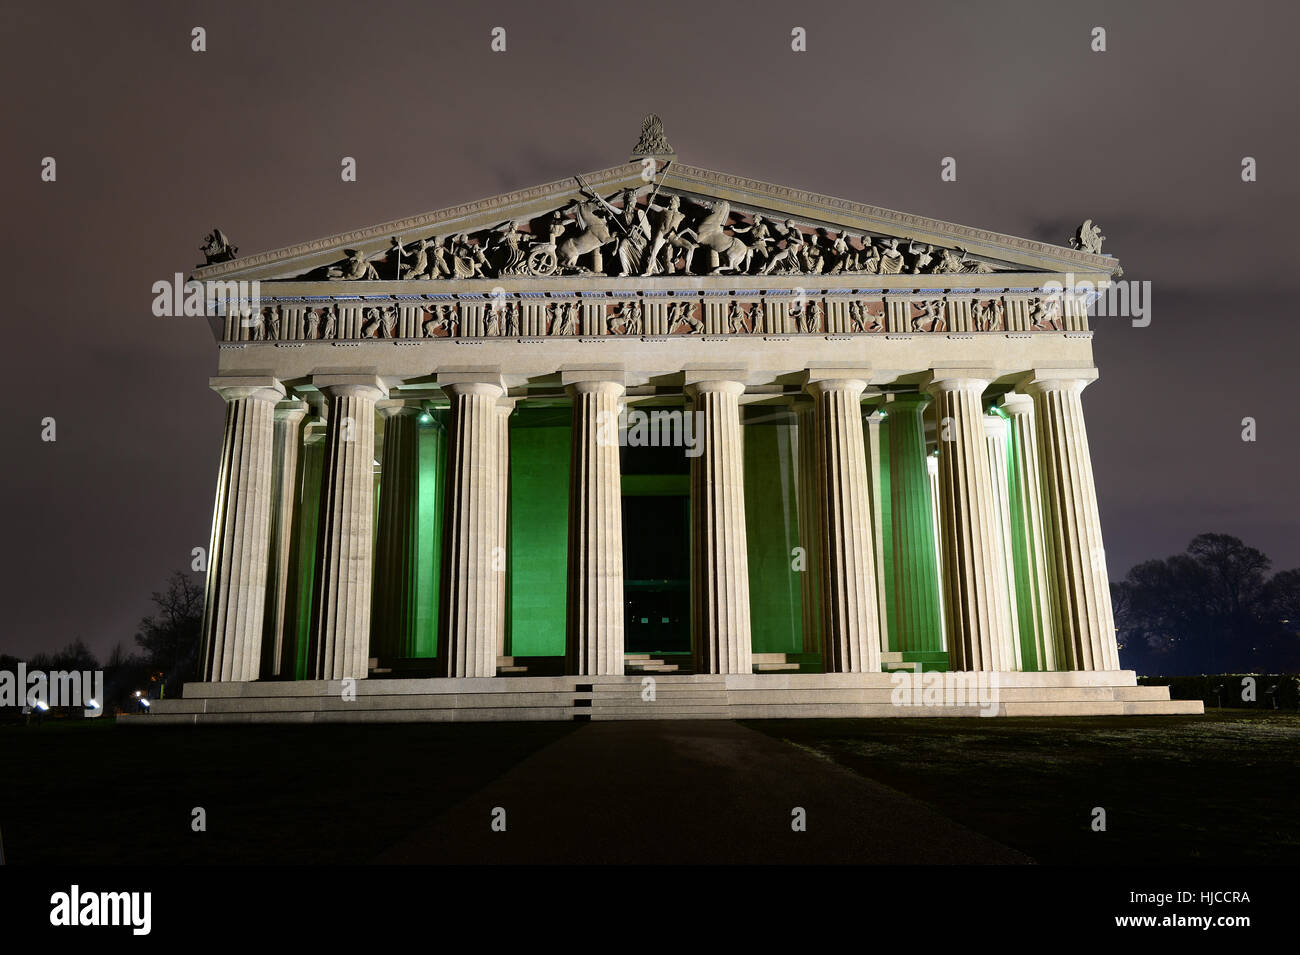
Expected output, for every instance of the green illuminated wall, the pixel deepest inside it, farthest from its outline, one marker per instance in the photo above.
(312, 463)
(539, 530)
(772, 532)
(432, 452)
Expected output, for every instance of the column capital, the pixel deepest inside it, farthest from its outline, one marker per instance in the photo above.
(715, 386)
(815, 375)
(820, 386)
(291, 409)
(1057, 379)
(472, 381)
(950, 378)
(995, 426)
(705, 374)
(1017, 403)
(350, 386)
(393, 407)
(257, 387)
(601, 373)
(906, 401)
(593, 386)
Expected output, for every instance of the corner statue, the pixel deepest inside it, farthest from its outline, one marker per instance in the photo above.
(1088, 238)
(217, 248)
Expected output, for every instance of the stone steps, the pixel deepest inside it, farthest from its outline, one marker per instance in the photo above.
(779, 695)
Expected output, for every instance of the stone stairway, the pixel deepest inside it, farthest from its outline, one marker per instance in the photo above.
(675, 697)
(664, 694)
(774, 663)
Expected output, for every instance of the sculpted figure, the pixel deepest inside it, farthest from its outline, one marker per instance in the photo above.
(788, 257)
(759, 244)
(438, 265)
(631, 249)
(450, 320)
(506, 249)
(684, 313)
(491, 321)
(593, 235)
(735, 319)
(758, 319)
(664, 226)
(512, 319)
(812, 318)
(274, 317)
(370, 323)
(891, 260)
(868, 259)
(468, 260)
(331, 322)
(388, 319)
(355, 269)
(1043, 315)
(312, 330)
(257, 321)
(419, 266)
(217, 248)
(1088, 238)
(857, 322)
(836, 253)
(710, 235)
(923, 255)
(932, 311)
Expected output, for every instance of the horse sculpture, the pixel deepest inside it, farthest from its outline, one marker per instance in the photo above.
(709, 234)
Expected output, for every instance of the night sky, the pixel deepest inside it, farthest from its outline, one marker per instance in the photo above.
(156, 144)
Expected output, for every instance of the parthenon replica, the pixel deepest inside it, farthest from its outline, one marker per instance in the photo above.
(656, 442)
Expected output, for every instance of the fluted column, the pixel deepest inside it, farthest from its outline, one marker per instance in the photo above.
(289, 416)
(1082, 587)
(295, 660)
(851, 634)
(996, 432)
(235, 593)
(504, 407)
(720, 564)
(916, 574)
(932, 468)
(340, 647)
(977, 638)
(594, 622)
(873, 436)
(393, 634)
(467, 639)
(1039, 635)
(809, 528)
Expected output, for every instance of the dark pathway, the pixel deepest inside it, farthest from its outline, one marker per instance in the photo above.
(687, 791)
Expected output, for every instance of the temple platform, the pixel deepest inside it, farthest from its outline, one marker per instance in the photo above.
(766, 695)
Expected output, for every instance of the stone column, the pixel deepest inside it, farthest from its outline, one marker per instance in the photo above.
(851, 634)
(872, 434)
(916, 574)
(594, 641)
(397, 554)
(280, 615)
(467, 639)
(720, 559)
(1039, 635)
(809, 528)
(977, 638)
(932, 468)
(996, 432)
(235, 593)
(340, 647)
(1082, 587)
(295, 659)
(504, 407)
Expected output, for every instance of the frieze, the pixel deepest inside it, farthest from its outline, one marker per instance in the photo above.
(629, 315)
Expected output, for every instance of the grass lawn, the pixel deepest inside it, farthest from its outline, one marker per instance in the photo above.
(91, 792)
(1223, 788)
(1215, 789)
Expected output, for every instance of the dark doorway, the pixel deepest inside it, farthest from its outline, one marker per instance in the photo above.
(656, 550)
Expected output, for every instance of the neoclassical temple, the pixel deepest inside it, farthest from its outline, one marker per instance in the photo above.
(655, 441)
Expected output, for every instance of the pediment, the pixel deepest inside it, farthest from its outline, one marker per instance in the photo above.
(683, 222)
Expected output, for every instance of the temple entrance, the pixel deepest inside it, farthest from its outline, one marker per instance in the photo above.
(656, 551)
